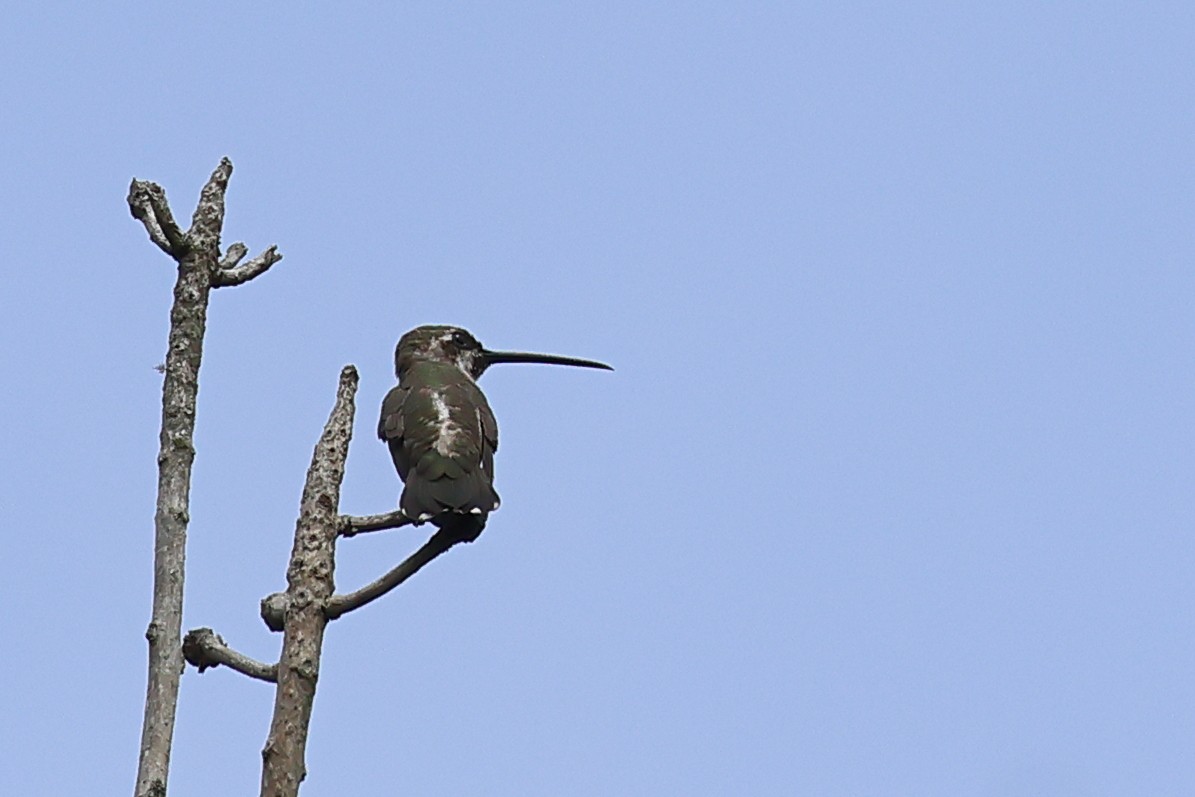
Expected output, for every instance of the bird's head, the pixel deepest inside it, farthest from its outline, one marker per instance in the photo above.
(447, 344)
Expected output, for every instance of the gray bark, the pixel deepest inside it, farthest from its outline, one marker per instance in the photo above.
(309, 585)
(197, 253)
(203, 648)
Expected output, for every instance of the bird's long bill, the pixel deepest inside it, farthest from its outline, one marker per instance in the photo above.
(498, 357)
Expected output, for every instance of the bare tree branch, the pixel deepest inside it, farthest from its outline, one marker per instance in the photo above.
(207, 222)
(339, 605)
(204, 648)
(188, 319)
(352, 525)
(309, 584)
(239, 275)
(197, 253)
(233, 255)
(147, 203)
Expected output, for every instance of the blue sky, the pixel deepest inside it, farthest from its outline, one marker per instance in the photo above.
(889, 493)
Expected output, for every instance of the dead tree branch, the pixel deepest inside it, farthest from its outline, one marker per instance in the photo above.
(147, 202)
(309, 585)
(233, 255)
(339, 605)
(233, 274)
(352, 525)
(197, 253)
(204, 648)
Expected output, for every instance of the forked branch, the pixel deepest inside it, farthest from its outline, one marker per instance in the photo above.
(236, 275)
(147, 203)
(197, 254)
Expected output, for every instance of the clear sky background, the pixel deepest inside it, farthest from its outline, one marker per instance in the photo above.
(890, 493)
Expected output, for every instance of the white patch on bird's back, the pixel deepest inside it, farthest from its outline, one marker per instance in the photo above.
(448, 429)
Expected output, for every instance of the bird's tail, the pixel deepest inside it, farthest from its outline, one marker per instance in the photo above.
(458, 505)
(460, 528)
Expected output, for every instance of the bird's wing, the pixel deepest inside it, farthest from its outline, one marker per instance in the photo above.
(489, 440)
(392, 425)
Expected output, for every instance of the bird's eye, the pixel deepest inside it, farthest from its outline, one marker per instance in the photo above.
(460, 339)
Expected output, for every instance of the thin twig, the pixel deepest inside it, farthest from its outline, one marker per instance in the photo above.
(233, 255)
(241, 274)
(204, 648)
(339, 605)
(352, 525)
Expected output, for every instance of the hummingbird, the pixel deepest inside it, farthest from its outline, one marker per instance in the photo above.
(440, 429)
